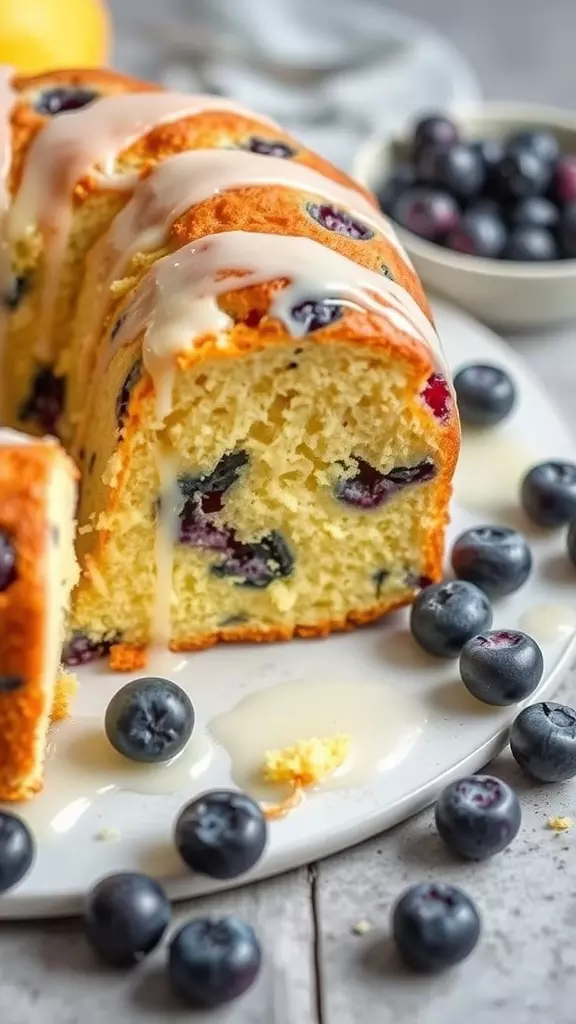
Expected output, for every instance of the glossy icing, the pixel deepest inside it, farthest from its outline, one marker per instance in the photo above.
(184, 181)
(175, 304)
(74, 145)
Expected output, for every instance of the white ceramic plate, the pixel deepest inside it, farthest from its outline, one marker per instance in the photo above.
(116, 830)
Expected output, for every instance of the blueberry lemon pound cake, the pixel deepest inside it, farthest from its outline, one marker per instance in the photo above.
(224, 331)
(37, 572)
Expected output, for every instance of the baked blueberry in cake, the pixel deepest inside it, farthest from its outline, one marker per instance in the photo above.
(225, 333)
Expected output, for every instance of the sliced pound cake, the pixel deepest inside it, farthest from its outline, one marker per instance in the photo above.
(37, 571)
(225, 332)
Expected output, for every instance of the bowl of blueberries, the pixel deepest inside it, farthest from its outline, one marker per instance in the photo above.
(484, 201)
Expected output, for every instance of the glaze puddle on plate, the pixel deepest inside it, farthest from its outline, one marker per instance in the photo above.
(383, 724)
(490, 469)
(548, 623)
(81, 767)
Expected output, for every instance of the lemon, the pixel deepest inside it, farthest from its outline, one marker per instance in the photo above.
(41, 35)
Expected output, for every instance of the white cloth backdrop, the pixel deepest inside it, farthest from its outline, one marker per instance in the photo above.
(331, 71)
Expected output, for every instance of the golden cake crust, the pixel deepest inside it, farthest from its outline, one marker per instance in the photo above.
(25, 474)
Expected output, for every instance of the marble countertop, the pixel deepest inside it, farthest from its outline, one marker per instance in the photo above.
(320, 972)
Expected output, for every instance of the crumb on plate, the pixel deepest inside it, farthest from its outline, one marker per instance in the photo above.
(127, 658)
(108, 835)
(64, 691)
(560, 824)
(362, 927)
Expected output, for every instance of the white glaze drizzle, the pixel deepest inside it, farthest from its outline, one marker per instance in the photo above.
(175, 303)
(6, 104)
(185, 180)
(75, 144)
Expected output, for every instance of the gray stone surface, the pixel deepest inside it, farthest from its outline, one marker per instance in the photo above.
(317, 971)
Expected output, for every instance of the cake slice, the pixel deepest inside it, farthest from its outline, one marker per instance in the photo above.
(37, 571)
(262, 461)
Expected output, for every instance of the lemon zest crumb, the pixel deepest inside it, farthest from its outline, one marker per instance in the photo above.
(560, 824)
(362, 927)
(308, 762)
(273, 812)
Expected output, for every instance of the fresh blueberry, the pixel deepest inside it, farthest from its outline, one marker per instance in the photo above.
(15, 292)
(426, 212)
(333, 219)
(149, 720)
(435, 129)
(212, 961)
(490, 152)
(7, 561)
(484, 204)
(459, 169)
(80, 650)
(125, 917)
(477, 816)
(123, 398)
(446, 615)
(45, 403)
(438, 397)
(434, 926)
(404, 177)
(543, 741)
(64, 99)
(257, 564)
(541, 142)
(563, 188)
(485, 394)
(528, 244)
(535, 211)
(522, 172)
(221, 833)
(314, 315)
(17, 850)
(501, 667)
(269, 147)
(567, 231)
(478, 234)
(571, 542)
(496, 558)
(548, 493)
(370, 489)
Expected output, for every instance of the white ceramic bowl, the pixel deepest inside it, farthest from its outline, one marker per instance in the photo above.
(508, 295)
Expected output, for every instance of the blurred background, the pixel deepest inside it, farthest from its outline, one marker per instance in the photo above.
(332, 72)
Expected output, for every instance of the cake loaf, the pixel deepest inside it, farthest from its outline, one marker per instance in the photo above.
(224, 331)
